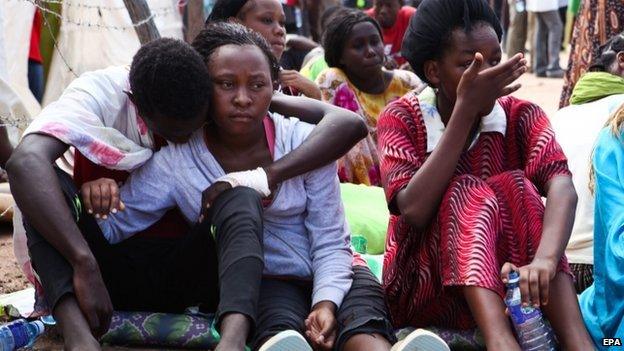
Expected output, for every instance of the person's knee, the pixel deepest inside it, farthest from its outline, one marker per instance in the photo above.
(237, 199)
(465, 181)
(239, 202)
(510, 177)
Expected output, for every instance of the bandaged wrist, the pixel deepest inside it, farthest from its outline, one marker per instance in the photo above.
(255, 179)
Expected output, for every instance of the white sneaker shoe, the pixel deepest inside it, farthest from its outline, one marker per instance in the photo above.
(421, 340)
(288, 340)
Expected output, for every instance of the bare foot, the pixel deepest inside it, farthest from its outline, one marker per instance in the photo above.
(74, 327)
(230, 346)
(234, 330)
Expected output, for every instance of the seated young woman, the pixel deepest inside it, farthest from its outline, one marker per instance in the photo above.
(116, 117)
(268, 19)
(357, 81)
(602, 303)
(464, 168)
(595, 98)
(285, 265)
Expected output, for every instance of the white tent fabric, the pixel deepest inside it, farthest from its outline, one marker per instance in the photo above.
(16, 18)
(4, 72)
(96, 34)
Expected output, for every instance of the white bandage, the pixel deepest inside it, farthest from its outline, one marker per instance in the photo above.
(255, 179)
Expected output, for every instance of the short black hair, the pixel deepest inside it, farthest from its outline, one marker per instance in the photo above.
(223, 10)
(218, 34)
(607, 53)
(430, 28)
(168, 77)
(338, 31)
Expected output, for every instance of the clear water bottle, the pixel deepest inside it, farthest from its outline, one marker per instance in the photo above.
(19, 334)
(533, 334)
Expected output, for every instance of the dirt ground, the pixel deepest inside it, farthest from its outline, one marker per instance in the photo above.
(11, 277)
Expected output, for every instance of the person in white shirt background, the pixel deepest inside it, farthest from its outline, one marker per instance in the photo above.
(548, 37)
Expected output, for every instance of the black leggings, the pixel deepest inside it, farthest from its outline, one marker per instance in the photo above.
(285, 304)
(218, 265)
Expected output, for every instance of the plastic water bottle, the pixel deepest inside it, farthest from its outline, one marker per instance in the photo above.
(533, 333)
(19, 334)
(375, 262)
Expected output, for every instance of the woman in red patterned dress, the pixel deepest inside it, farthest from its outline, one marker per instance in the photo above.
(464, 168)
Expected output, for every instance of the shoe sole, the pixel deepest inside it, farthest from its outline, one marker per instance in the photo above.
(423, 340)
(288, 340)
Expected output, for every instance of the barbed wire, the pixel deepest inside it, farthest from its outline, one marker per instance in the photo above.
(7, 210)
(64, 20)
(14, 121)
(87, 6)
(156, 13)
(57, 48)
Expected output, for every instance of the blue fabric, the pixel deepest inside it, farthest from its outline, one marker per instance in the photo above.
(602, 304)
(35, 79)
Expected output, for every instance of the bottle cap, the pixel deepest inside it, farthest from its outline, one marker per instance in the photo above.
(514, 277)
(359, 243)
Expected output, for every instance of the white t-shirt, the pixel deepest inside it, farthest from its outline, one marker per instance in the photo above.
(542, 5)
(95, 115)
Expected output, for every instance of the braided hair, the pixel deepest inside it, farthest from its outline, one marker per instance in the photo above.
(430, 29)
(219, 34)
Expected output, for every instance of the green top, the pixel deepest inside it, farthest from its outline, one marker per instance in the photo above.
(314, 67)
(574, 6)
(596, 85)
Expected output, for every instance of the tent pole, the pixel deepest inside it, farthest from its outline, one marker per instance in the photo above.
(139, 11)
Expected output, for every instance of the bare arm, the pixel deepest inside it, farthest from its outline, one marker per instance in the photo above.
(338, 130)
(535, 277)
(558, 218)
(38, 194)
(294, 79)
(299, 42)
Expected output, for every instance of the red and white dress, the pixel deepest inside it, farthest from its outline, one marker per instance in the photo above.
(491, 213)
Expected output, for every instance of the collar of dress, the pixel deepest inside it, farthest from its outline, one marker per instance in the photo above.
(495, 121)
